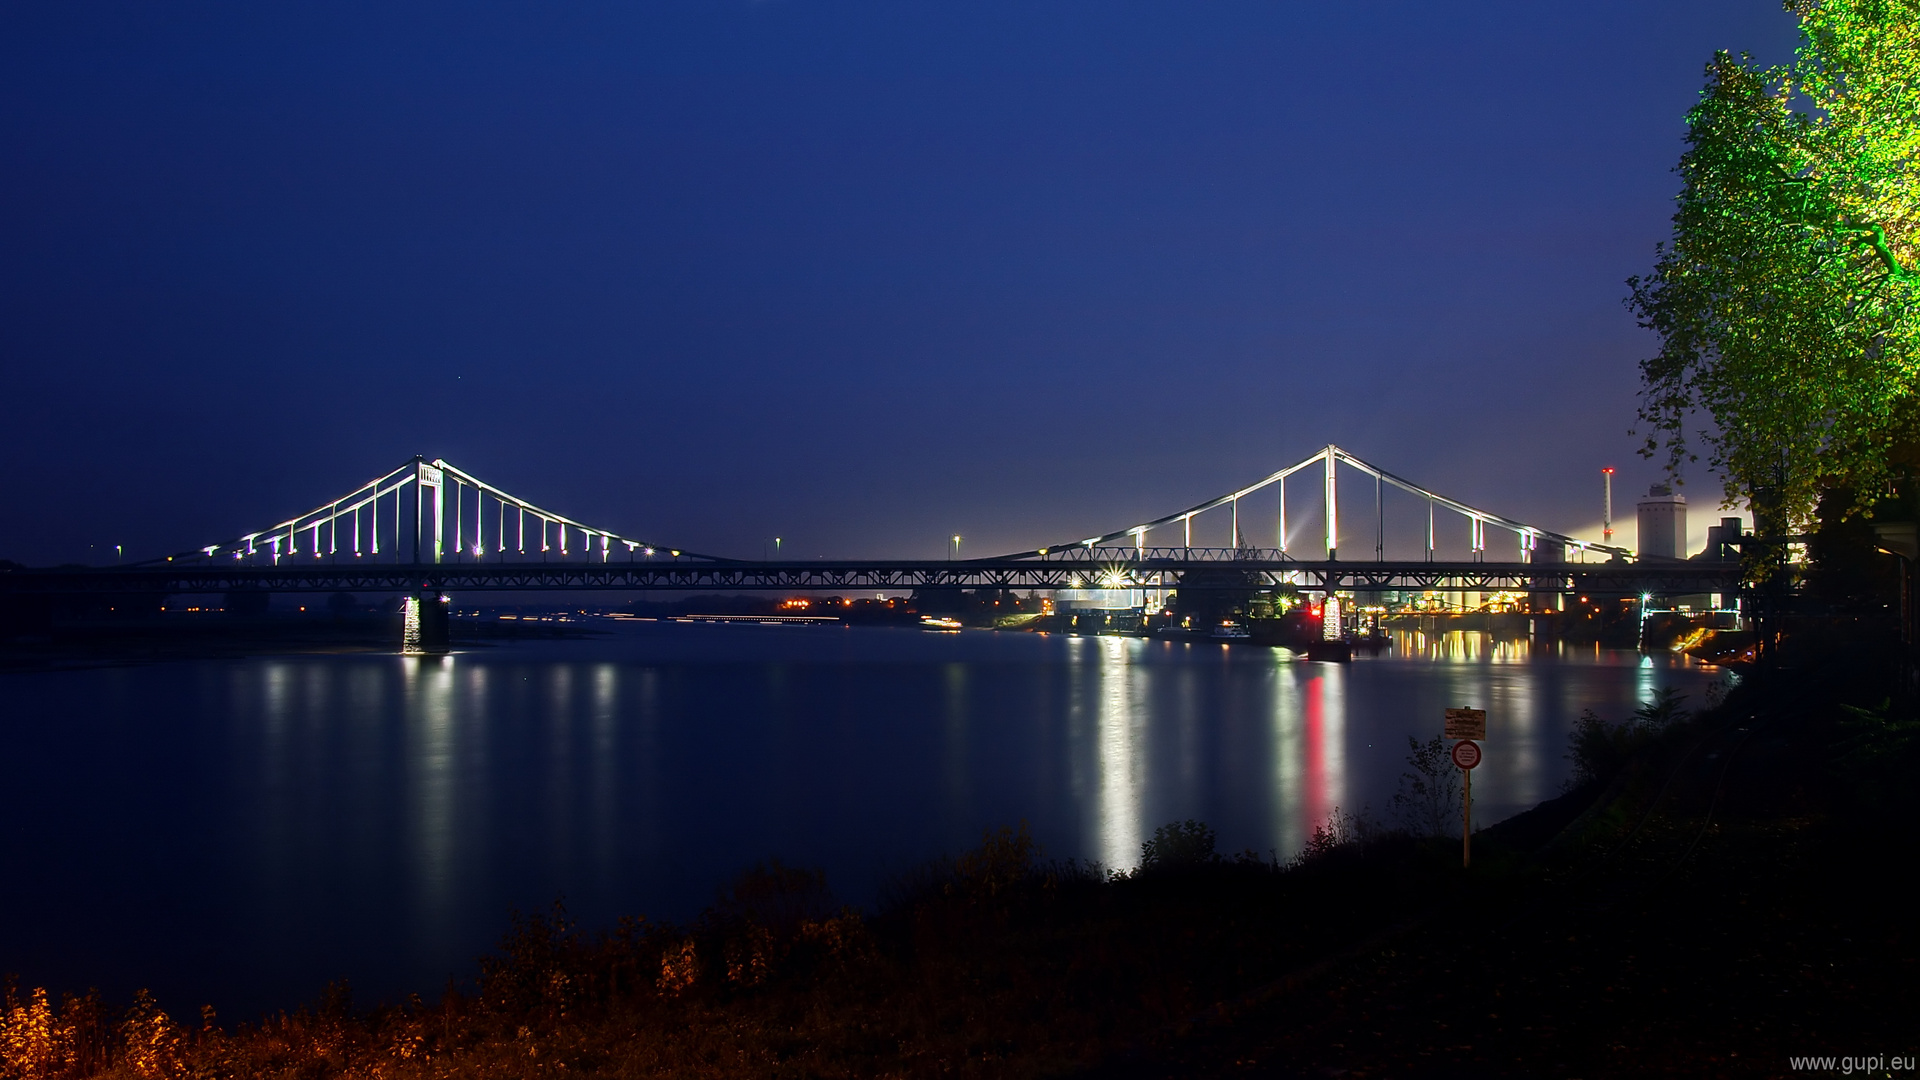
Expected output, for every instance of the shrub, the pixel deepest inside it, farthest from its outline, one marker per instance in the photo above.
(778, 897)
(155, 1046)
(1178, 844)
(534, 967)
(1428, 800)
(1004, 858)
(1340, 830)
(1599, 749)
(1876, 755)
(679, 969)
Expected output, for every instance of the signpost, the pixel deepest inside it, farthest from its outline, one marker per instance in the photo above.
(1466, 725)
(1466, 754)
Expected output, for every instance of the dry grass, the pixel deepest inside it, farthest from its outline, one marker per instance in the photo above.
(996, 964)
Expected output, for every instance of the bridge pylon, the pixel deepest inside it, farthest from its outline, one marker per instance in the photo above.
(429, 511)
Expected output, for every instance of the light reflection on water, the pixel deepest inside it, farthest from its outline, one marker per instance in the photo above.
(305, 818)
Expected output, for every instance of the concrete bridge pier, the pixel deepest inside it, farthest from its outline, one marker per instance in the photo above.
(424, 628)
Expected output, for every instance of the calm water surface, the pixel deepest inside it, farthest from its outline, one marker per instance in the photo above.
(240, 831)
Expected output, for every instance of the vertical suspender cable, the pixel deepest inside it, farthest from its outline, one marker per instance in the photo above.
(1283, 515)
(1429, 526)
(1380, 534)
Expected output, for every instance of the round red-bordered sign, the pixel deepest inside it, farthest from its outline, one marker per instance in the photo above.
(1466, 753)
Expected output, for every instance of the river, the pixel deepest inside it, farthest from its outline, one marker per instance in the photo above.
(238, 832)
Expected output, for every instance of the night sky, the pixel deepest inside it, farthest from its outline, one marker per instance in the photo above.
(860, 275)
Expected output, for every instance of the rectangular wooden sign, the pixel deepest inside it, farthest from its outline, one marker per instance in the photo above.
(1466, 724)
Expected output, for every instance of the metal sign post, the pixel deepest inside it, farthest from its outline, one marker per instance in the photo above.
(1466, 754)
(1466, 725)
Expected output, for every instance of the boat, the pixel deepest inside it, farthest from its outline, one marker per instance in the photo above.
(1229, 630)
(939, 624)
(1336, 652)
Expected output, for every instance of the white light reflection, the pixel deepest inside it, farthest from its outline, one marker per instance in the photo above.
(1289, 827)
(954, 750)
(1644, 679)
(605, 783)
(559, 783)
(1111, 789)
(430, 756)
(1511, 771)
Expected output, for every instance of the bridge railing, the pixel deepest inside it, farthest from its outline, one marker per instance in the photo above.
(1129, 554)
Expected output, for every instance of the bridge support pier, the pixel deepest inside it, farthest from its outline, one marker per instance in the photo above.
(425, 629)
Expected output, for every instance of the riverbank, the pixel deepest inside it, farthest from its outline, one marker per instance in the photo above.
(1731, 904)
(1003, 963)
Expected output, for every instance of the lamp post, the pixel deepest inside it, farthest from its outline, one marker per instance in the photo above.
(953, 547)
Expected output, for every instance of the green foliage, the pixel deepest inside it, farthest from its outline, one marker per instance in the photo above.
(1877, 756)
(1788, 300)
(1428, 800)
(1599, 749)
(1662, 710)
(1179, 844)
(1341, 831)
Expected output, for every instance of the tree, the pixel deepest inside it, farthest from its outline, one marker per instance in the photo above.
(1788, 301)
(1428, 801)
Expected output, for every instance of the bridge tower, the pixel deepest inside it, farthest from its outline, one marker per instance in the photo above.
(1332, 508)
(426, 626)
(429, 513)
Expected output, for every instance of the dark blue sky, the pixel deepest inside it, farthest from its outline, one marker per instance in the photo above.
(862, 275)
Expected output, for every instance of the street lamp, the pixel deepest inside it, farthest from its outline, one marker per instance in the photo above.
(953, 546)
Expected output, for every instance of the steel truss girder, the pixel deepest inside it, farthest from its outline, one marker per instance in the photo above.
(1165, 573)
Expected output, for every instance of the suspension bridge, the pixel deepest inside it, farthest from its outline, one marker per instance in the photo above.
(429, 527)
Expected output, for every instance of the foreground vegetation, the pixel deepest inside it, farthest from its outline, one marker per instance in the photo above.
(998, 962)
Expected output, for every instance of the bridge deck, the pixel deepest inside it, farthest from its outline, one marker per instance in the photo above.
(1612, 577)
